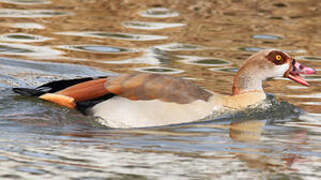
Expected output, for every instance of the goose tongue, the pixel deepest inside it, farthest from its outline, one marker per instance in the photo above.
(298, 69)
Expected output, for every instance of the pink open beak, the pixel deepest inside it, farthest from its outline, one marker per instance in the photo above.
(298, 69)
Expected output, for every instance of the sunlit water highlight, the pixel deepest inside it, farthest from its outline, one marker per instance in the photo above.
(14, 13)
(150, 25)
(115, 35)
(158, 13)
(22, 37)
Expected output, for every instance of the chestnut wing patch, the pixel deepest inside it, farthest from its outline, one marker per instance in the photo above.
(73, 93)
(86, 90)
(143, 86)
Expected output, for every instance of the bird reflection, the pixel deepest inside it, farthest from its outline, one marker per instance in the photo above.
(250, 132)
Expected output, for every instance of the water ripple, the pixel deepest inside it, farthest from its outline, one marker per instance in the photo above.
(267, 37)
(23, 37)
(311, 117)
(23, 71)
(313, 95)
(204, 61)
(312, 103)
(296, 87)
(228, 69)
(31, 170)
(28, 50)
(26, 2)
(149, 56)
(158, 13)
(257, 49)
(115, 35)
(159, 70)
(25, 25)
(310, 58)
(15, 13)
(251, 49)
(313, 77)
(98, 49)
(179, 47)
(150, 25)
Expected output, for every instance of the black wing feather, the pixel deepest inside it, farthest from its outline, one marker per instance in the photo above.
(52, 87)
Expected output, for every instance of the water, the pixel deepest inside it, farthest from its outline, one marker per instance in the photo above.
(204, 41)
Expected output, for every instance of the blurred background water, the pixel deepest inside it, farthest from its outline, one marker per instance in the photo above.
(205, 41)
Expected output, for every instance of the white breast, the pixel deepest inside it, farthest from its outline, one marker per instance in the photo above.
(119, 112)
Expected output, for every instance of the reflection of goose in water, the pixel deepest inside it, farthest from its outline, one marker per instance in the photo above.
(250, 132)
(141, 100)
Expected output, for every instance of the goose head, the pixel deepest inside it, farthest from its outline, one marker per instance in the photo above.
(266, 64)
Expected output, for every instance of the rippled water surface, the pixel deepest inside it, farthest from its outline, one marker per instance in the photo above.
(204, 41)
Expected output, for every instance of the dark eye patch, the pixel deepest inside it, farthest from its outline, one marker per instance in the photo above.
(277, 57)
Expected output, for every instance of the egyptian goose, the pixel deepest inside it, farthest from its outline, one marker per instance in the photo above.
(142, 99)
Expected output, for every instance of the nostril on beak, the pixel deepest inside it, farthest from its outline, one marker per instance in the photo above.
(298, 68)
(293, 65)
(293, 62)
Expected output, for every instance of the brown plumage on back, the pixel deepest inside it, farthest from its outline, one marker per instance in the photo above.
(137, 86)
(142, 86)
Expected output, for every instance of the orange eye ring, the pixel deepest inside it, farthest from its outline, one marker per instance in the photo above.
(278, 57)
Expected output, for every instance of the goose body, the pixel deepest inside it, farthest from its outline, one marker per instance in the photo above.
(143, 100)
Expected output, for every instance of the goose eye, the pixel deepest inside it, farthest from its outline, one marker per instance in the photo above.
(278, 57)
